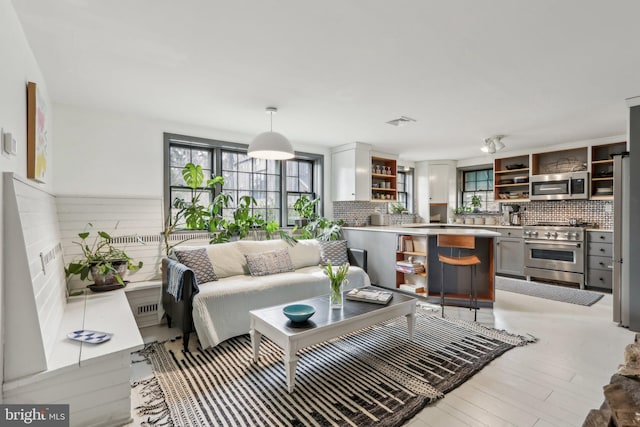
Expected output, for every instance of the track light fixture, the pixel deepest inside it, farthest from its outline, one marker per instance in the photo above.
(493, 144)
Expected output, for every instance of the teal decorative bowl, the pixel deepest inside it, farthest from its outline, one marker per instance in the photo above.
(298, 312)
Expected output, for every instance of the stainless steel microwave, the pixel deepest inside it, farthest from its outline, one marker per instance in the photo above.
(560, 186)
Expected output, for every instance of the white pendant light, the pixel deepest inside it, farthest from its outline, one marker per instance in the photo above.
(271, 145)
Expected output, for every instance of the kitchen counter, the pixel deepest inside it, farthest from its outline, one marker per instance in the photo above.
(384, 243)
(443, 224)
(429, 230)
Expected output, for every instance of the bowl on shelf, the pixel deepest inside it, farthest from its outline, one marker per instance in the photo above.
(516, 166)
(515, 195)
(298, 313)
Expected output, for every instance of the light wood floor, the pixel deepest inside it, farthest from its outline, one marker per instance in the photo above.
(553, 382)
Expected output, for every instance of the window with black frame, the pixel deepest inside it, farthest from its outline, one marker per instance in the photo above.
(257, 178)
(478, 183)
(275, 185)
(299, 183)
(404, 187)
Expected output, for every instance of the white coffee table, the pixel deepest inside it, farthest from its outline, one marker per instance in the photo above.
(325, 324)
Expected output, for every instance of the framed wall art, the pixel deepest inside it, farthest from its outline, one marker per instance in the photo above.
(37, 138)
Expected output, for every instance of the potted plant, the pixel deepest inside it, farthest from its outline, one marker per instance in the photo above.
(106, 264)
(306, 210)
(397, 208)
(195, 216)
(191, 214)
(476, 202)
(337, 279)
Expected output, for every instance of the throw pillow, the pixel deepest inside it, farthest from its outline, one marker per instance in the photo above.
(198, 261)
(334, 251)
(270, 262)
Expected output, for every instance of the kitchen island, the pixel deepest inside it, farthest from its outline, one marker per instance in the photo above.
(383, 249)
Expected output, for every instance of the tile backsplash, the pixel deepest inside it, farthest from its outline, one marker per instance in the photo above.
(598, 212)
(357, 213)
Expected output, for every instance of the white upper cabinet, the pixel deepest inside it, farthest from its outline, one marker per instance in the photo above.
(439, 182)
(351, 172)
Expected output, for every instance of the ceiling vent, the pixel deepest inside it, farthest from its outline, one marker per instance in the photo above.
(401, 121)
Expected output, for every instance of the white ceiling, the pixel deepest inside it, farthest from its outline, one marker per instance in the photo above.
(541, 72)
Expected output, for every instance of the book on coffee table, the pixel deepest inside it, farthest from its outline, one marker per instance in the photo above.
(369, 295)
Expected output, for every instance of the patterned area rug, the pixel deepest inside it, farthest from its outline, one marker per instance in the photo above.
(552, 292)
(373, 377)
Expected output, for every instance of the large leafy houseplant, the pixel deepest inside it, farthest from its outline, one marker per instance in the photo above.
(196, 216)
(105, 263)
(192, 214)
(306, 209)
(320, 228)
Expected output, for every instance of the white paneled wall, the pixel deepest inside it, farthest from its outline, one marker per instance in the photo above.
(34, 302)
(118, 216)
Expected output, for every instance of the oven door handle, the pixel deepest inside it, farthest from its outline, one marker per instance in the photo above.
(542, 242)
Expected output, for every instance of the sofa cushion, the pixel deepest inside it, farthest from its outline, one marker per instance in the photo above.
(227, 259)
(198, 261)
(270, 262)
(305, 253)
(334, 251)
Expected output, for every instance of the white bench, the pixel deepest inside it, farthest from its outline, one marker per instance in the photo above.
(94, 379)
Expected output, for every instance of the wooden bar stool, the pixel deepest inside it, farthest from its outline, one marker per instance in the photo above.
(457, 241)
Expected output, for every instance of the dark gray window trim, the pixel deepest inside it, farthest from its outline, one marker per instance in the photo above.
(168, 138)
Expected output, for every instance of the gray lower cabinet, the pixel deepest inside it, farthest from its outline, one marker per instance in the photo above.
(381, 254)
(599, 260)
(510, 253)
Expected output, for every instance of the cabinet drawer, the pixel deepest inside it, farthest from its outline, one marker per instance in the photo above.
(600, 249)
(599, 263)
(600, 236)
(599, 279)
(510, 232)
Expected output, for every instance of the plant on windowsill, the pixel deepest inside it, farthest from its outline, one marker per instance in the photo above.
(210, 218)
(476, 202)
(106, 264)
(397, 208)
(306, 210)
(191, 214)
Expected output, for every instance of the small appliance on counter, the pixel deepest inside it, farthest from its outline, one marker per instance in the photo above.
(378, 218)
(511, 215)
(515, 218)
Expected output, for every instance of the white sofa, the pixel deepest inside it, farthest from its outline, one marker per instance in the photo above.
(221, 309)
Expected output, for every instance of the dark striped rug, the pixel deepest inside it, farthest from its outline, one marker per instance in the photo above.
(373, 377)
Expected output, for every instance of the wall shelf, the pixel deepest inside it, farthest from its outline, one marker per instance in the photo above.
(379, 194)
(602, 169)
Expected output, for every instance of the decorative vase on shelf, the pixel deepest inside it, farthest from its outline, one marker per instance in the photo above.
(388, 172)
(377, 169)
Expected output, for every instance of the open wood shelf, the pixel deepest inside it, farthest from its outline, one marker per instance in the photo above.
(379, 194)
(602, 164)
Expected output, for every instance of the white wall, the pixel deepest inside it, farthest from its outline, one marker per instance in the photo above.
(18, 67)
(103, 153)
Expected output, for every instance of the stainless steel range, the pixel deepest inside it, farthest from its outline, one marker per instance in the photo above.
(555, 251)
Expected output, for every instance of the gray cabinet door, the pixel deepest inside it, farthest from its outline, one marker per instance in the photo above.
(510, 256)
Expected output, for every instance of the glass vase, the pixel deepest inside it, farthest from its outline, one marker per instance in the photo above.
(335, 294)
